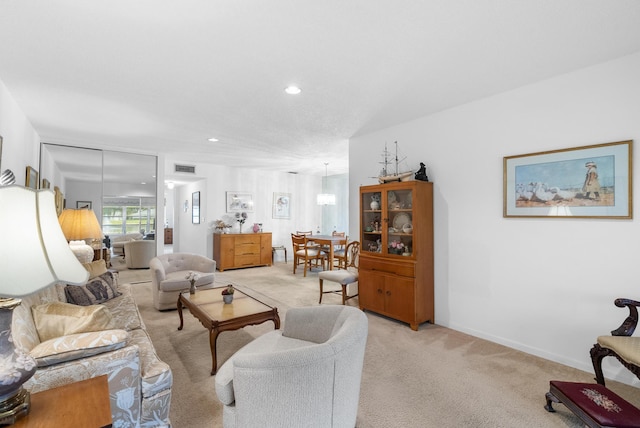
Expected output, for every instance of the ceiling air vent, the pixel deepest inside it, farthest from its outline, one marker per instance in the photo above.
(186, 168)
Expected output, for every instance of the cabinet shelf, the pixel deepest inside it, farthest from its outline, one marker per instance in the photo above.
(397, 283)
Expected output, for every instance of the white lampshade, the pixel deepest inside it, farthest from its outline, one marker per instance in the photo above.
(33, 251)
(326, 199)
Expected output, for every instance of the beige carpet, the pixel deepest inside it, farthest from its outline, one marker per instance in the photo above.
(435, 377)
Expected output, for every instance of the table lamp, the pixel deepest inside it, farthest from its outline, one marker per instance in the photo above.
(34, 254)
(77, 226)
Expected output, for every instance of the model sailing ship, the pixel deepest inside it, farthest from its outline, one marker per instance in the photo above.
(385, 176)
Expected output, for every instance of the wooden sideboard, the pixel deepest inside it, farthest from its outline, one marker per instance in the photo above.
(241, 250)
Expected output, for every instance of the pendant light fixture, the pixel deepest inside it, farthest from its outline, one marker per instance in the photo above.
(326, 198)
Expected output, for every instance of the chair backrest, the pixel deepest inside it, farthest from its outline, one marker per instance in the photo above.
(353, 254)
(298, 241)
(309, 233)
(342, 244)
(173, 262)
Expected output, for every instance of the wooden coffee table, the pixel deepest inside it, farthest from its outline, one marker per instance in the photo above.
(216, 316)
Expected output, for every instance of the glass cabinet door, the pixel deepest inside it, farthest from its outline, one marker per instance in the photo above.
(399, 212)
(371, 222)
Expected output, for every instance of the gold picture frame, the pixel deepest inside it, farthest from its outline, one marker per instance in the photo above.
(32, 178)
(580, 182)
(59, 200)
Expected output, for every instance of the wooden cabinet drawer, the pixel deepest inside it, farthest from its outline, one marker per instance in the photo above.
(392, 267)
(245, 249)
(246, 260)
(247, 239)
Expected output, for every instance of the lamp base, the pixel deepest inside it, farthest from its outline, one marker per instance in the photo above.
(15, 407)
(16, 368)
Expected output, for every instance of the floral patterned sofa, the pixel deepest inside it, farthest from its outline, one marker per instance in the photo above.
(139, 383)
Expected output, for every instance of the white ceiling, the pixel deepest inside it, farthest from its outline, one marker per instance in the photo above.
(161, 76)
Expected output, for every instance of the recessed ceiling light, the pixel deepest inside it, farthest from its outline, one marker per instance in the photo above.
(213, 140)
(292, 90)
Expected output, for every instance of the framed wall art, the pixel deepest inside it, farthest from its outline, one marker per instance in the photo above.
(59, 200)
(583, 182)
(239, 202)
(83, 205)
(281, 205)
(195, 208)
(45, 184)
(32, 178)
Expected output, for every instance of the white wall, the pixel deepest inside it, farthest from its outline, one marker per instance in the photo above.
(544, 286)
(218, 179)
(21, 143)
(84, 191)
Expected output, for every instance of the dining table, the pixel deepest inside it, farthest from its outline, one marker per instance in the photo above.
(329, 241)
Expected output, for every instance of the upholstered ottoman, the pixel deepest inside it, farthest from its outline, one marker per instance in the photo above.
(594, 404)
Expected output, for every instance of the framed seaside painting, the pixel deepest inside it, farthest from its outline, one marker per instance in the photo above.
(581, 182)
(239, 202)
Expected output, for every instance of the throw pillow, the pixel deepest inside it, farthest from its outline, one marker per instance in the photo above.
(76, 346)
(97, 290)
(95, 268)
(58, 319)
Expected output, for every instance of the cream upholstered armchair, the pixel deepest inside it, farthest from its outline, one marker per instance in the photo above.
(620, 344)
(306, 375)
(139, 253)
(168, 276)
(117, 243)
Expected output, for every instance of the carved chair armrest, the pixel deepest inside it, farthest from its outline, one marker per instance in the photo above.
(629, 325)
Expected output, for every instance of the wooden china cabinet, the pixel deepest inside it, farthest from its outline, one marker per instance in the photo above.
(396, 251)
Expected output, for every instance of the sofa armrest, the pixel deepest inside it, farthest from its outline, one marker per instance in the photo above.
(203, 264)
(629, 325)
(76, 346)
(122, 368)
(157, 271)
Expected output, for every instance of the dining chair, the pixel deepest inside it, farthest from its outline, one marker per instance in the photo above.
(305, 252)
(344, 277)
(339, 250)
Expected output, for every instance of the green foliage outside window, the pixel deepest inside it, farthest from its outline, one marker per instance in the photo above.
(120, 220)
